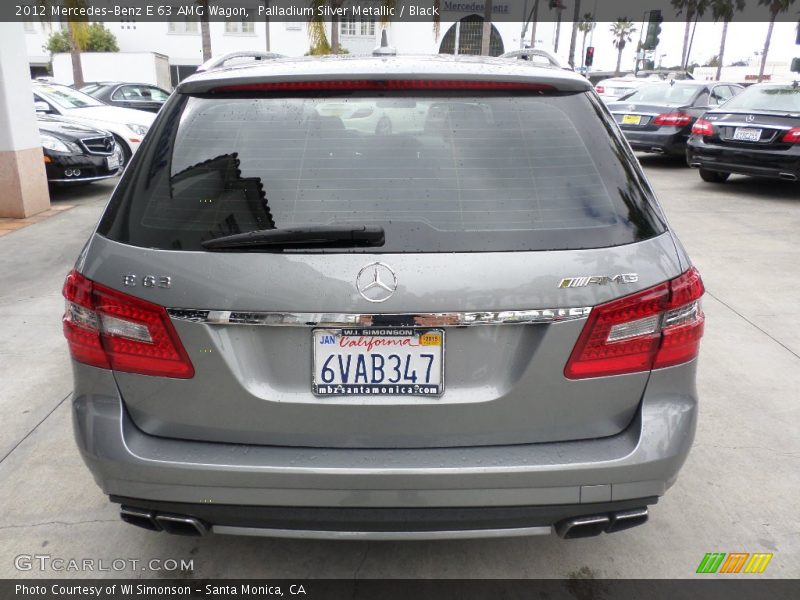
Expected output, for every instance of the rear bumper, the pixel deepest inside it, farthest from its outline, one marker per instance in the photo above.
(664, 141)
(757, 163)
(639, 463)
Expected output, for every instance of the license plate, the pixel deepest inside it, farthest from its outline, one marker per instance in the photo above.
(631, 119)
(112, 162)
(746, 134)
(378, 362)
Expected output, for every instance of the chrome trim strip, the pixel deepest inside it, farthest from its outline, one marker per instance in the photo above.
(81, 179)
(444, 319)
(381, 535)
(751, 125)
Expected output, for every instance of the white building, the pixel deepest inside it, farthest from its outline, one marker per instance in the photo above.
(181, 41)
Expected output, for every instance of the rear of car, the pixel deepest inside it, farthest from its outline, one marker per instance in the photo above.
(658, 117)
(614, 88)
(757, 133)
(474, 323)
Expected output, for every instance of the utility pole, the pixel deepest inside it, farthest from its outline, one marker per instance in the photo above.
(576, 16)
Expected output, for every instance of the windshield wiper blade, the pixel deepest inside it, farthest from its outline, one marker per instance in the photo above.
(317, 236)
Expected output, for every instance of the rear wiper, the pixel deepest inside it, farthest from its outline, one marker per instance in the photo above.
(316, 236)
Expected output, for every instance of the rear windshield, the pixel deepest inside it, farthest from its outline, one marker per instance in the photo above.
(664, 93)
(778, 98)
(440, 173)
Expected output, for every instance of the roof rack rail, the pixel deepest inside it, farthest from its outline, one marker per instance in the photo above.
(256, 55)
(528, 53)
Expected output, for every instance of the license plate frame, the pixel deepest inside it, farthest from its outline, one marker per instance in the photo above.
(747, 134)
(631, 119)
(112, 162)
(425, 338)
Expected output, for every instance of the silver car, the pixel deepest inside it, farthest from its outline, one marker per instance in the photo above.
(476, 324)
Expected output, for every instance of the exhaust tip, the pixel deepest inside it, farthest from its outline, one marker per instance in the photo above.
(627, 519)
(138, 517)
(582, 527)
(695, 165)
(180, 525)
(788, 176)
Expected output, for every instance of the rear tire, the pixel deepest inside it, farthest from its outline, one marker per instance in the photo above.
(714, 176)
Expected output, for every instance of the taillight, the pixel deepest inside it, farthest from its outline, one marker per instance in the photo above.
(655, 328)
(675, 119)
(792, 136)
(703, 127)
(349, 85)
(600, 89)
(108, 329)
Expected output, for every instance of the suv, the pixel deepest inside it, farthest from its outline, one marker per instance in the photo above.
(475, 322)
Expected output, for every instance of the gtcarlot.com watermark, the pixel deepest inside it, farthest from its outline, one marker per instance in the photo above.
(57, 564)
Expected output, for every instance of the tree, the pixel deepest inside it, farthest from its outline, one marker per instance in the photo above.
(776, 7)
(573, 38)
(205, 31)
(586, 25)
(622, 30)
(97, 39)
(534, 21)
(713, 62)
(486, 34)
(724, 9)
(691, 10)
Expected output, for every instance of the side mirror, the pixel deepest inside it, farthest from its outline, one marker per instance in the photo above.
(41, 106)
(795, 65)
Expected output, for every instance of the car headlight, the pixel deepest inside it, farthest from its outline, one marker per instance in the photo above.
(53, 143)
(137, 129)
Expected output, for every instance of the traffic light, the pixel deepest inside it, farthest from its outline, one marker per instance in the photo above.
(589, 56)
(653, 30)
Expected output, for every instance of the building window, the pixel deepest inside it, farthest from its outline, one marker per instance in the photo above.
(246, 27)
(187, 26)
(357, 27)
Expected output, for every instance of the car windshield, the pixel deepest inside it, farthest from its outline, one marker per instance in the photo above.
(439, 173)
(773, 98)
(664, 93)
(66, 97)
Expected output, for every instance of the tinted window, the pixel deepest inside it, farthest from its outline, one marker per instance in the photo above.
(664, 93)
(440, 173)
(140, 93)
(777, 98)
(65, 97)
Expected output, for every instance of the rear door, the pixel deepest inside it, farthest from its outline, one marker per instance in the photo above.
(506, 217)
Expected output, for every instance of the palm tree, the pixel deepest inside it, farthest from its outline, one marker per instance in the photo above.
(776, 7)
(586, 25)
(622, 30)
(534, 21)
(575, 20)
(78, 34)
(724, 9)
(486, 35)
(691, 10)
(205, 31)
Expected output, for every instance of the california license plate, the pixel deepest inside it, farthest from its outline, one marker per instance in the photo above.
(747, 134)
(378, 362)
(631, 119)
(112, 162)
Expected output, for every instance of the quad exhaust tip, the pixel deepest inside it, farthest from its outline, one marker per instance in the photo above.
(592, 525)
(175, 524)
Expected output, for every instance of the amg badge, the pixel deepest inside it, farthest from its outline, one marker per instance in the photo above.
(574, 282)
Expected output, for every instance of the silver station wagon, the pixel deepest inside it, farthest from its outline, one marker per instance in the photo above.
(384, 298)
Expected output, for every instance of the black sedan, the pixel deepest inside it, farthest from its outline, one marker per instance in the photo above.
(756, 133)
(74, 153)
(141, 96)
(658, 117)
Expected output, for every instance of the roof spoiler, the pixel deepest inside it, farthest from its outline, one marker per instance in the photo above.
(256, 55)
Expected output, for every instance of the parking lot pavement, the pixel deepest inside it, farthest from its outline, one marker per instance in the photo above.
(737, 492)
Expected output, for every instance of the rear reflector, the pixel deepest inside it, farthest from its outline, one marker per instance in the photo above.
(675, 119)
(357, 85)
(111, 330)
(655, 328)
(703, 127)
(792, 136)
(600, 89)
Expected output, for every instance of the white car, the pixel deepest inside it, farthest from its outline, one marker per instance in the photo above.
(128, 126)
(615, 88)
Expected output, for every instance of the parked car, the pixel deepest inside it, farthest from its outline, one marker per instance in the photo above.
(141, 96)
(283, 326)
(658, 117)
(756, 133)
(74, 153)
(126, 125)
(614, 88)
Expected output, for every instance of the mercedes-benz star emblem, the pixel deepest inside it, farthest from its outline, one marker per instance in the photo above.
(749, 118)
(376, 282)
